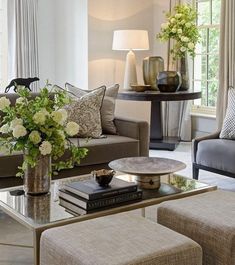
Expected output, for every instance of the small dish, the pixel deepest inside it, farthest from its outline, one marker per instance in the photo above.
(103, 176)
(140, 88)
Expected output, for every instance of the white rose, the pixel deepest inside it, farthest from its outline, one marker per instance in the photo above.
(15, 122)
(45, 148)
(183, 49)
(178, 15)
(20, 100)
(191, 45)
(179, 31)
(164, 25)
(174, 30)
(39, 117)
(188, 25)
(35, 137)
(72, 128)
(5, 128)
(19, 131)
(4, 103)
(172, 20)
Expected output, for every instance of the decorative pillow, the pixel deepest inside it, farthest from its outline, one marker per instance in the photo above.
(228, 128)
(108, 106)
(86, 112)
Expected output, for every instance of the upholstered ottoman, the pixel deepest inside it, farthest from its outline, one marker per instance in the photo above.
(208, 219)
(117, 240)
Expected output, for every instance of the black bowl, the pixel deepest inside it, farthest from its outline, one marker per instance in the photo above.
(103, 177)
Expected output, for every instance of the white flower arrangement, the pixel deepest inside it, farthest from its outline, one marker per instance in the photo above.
(181, 27)
(38, 127)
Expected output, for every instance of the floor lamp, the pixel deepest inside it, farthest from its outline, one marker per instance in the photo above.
(130, 40)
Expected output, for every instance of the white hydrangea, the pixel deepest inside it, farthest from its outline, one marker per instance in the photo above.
(173, 20)
(61, 134)
(178, 15)
(184, 39)
(165, 25)
(57, 117)
(179, 31)
(45, 148)
(191, 45)
(183, 49)
(174, 30)
(5, 128)
(35, 137)
(64, 114)
(20, 100)
(19, 131)
(188, 25)
(40, 117)
(4, 103)
(72, 128)
(182, 22)
(15, 122)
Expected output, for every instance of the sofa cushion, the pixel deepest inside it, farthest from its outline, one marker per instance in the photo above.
(217, 153)
(101, 151)
(112, 147)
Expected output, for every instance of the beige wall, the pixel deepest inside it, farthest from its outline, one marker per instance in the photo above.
(107, 66)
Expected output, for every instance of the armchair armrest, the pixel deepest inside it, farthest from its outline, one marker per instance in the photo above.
(135, 129)
(196, 141)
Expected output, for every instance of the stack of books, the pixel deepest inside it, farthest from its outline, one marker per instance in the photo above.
(84, 197)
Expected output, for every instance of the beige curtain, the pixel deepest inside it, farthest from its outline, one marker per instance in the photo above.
(23, 40)
(227, 57)
(176, 115)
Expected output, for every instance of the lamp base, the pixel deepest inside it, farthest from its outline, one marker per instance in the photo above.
(130, 71)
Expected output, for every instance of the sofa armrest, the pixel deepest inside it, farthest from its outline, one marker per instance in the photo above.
(196, 141)
(135, 129)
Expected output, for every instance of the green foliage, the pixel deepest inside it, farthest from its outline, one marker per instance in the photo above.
(181, 27)
(39, 127)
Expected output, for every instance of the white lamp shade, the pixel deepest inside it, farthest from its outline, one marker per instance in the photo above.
(130, 40)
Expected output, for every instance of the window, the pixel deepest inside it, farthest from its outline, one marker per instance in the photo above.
(206, 61)
(3, 44)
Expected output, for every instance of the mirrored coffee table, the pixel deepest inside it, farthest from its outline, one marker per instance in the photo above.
(39, 213)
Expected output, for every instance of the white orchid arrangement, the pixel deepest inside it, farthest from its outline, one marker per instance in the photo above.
(181, 27)
(39, 127)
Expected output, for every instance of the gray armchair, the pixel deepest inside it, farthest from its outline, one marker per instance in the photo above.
(213, 154)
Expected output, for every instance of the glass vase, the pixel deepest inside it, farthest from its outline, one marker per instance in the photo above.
(183, 69)
(37, 180)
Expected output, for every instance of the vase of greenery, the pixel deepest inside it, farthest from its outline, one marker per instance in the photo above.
(39, 128)
(180, 28)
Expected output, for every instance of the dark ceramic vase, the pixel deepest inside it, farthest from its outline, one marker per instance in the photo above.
(169, 81)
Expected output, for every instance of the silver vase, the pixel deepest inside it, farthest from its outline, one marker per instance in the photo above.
(37, 180)
(151, 67)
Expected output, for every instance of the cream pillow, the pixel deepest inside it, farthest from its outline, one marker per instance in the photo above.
(86, 112)
(108, 106)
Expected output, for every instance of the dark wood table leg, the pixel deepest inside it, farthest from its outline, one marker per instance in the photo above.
(157, 140)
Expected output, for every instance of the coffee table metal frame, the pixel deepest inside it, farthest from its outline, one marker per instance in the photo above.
(37, 229)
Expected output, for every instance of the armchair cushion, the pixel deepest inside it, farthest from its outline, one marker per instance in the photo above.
(216, 153)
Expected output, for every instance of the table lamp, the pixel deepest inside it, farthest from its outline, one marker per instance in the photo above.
(130, 40)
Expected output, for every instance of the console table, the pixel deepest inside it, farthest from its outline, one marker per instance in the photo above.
(157, 140)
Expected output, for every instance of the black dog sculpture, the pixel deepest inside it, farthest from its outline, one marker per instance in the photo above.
(21, 82)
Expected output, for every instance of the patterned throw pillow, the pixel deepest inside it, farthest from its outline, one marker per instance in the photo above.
(108, 106)
(228, 129)
(86, 112)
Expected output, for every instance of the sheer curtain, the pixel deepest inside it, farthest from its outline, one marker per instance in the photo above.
(23, 39)
(176, 115)
(227, 57)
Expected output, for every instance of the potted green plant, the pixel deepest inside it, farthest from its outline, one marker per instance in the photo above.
(39, 128)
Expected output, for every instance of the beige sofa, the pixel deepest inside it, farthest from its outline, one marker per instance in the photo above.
(132, 140)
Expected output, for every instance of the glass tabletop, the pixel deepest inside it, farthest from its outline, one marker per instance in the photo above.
(45, 209)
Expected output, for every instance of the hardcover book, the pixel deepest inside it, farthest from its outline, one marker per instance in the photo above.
(100, 203)
(72, 208)
(90, 189)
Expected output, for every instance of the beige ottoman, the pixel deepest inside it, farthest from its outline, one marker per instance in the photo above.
(117, 240)
(209, 219)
